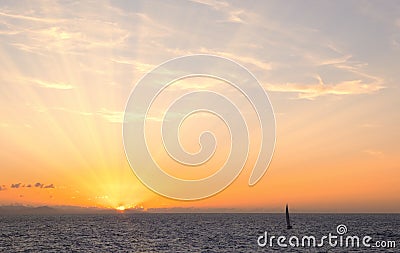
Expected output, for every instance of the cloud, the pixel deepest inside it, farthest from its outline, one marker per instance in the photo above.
(139, 66)
(359, 81)
(237, 16)
(231, 13)
(63, 109)
(52, 85)
(105, 114)
(82, 113)
(30, 18)
(7, 32)
(120, 116)
(39, 185)
(56, 32)
(111, 116)
(18, 185)
(334, 60)
(151, 29)
(375, 153)
(217, 5)
(311, 91)
(245, 60)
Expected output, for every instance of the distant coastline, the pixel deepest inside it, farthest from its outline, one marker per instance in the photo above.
(55, 210)
(60, 210)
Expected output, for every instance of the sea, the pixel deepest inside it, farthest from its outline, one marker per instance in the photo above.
(200, 232)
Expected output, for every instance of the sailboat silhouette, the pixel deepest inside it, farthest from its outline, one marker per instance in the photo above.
(288, 218)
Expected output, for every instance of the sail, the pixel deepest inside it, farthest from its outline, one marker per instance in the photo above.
(288, 218)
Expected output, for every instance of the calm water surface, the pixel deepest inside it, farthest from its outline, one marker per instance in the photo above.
(186, 232)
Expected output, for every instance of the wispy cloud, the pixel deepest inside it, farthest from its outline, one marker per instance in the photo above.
(246, 60)
(230, 12)
(49, 33)
(103, 113)
(151, 28)
(30, 18)
(354, 78)
(334, 60)
(111, 116)
(217, 5)
(51, 85)
(311, 91)
(139, 66)
(237, 16)
(120, 116)
(7, 32)
(375, 153)
(79, 112)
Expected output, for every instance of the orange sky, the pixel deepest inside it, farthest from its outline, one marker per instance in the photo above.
(67, 72)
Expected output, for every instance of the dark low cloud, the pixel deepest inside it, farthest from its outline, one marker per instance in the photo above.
(20, 185)
(16, 185)
(39, 185)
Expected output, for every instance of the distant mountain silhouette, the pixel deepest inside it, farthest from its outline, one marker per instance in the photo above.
(25, 210)
(46, 210)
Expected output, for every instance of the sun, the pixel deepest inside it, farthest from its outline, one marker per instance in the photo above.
(120, 208)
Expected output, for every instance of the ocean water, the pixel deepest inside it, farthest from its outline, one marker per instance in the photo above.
(147, 232)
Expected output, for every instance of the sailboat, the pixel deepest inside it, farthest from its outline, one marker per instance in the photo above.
(288, 218)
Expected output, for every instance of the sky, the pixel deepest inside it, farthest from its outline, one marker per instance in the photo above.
(331, 71)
